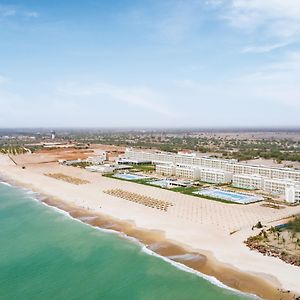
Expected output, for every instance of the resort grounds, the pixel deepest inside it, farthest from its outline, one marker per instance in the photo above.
(213, 229)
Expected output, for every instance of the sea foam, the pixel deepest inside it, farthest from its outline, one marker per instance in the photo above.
(5, 183)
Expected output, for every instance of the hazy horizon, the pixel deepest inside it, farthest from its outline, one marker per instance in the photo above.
(155, 129)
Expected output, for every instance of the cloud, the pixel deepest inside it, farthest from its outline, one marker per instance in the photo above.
(268, 20)
(142, 97)
(270, 13)
(288, 66)
(270, 86)
(7, 11)
(170, 21)
(214, 3)
(263, 48)
(179, 20)
(31, 14)
(276, 82)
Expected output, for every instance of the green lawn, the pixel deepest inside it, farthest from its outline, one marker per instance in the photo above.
(144, 168)
(182, 190)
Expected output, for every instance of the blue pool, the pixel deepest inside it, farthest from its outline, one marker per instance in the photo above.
(129, 176)
(230, 196)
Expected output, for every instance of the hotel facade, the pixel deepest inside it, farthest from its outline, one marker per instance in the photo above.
(248, 181)
(226, 165)
(281, 181)
(194, 173)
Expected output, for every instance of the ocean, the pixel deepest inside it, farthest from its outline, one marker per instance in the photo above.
(45, 254)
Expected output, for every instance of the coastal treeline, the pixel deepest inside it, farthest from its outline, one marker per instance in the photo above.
(227, 147)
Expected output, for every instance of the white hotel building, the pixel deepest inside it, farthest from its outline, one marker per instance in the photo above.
(215, 176)
(194, 173)
(248, 181)
(226, 165)
(273, 180)
(187, 171)
(290, 189)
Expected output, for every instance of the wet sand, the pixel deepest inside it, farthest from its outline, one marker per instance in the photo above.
(156, 242)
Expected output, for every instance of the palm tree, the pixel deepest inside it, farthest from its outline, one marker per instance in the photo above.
(293, 235)
(265, 234)
(278, 235)
(298, 242)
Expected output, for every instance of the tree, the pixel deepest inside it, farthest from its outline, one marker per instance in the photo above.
(258, 225)
(298, 242)
(265, 234)
(278, 235)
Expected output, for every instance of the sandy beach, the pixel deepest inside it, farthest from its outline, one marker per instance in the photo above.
(191, 225)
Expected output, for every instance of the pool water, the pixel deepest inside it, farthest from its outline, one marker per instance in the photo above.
(129, 176)
(230, 196)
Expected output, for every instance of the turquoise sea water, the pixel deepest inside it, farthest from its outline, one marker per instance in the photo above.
(44, 254)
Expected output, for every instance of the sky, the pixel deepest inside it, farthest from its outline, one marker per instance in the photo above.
(150, 63)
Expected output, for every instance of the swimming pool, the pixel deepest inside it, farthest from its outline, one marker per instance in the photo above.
(230, 196)
(129, 176)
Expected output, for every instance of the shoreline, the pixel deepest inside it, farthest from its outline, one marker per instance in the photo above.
(195, 225)
(202, 262)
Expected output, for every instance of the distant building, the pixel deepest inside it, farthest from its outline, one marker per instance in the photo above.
(277, 186)
(125, 161)
(251, 182)
(187, 171)
(194, 172)
(99, 159)
(107, 168)
(232, 166)
(187, 153)
(53, 135)
(292, 194)
(186, 164)
(104, 169)
(165, 169)
(215, 176)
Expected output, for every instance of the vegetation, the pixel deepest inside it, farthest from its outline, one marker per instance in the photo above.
(82, 164)
(280, 241)
(294, 225)
(34, 148)
(227, 147)
(15, 150)
(183, 190)
(258, 225)
(144, 168)
(237, 145)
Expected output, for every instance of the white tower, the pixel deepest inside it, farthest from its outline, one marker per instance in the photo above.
(290, 194)
(52, 135)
